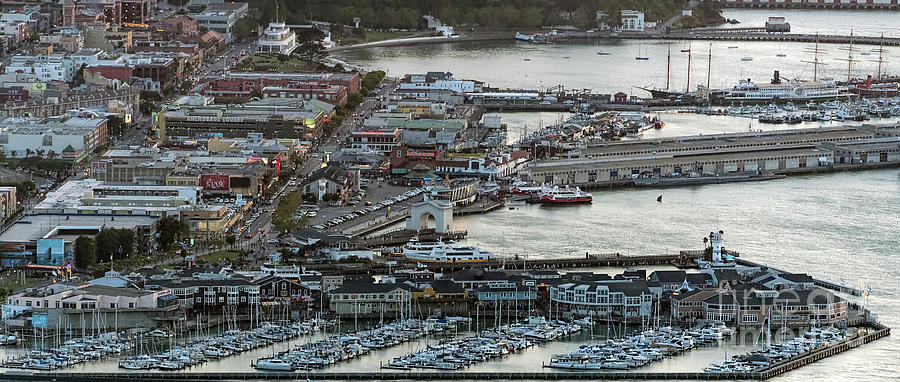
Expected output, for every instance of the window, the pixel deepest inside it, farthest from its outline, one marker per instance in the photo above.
(131, 305)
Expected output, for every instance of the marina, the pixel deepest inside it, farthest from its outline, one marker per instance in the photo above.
(451, 191)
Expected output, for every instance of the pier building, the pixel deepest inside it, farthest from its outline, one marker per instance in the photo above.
(777, 152)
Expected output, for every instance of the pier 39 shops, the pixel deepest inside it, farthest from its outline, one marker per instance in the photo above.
(777, 152)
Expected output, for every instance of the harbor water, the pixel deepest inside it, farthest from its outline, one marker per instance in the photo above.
(842, 227)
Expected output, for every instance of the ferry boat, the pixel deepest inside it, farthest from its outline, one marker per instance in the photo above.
(441, 252)
(520, 187)
(556, 195)
(793, 90)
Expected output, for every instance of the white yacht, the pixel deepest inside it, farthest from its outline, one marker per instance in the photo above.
(784, 91)
(276, 364)
(443, 252)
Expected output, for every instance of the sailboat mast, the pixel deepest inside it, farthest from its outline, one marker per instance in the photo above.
(668, 65)
(816, 60)
(850, 56)
(688, 89)
(880, 55)
(709, 67)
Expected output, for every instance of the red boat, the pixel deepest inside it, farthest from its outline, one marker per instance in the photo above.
(867, 89)
(522, 188)
(556, 195)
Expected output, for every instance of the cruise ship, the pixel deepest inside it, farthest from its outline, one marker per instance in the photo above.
(784, 91)
(556, 195)
(443, 252)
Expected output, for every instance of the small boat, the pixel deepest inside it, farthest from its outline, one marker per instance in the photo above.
(780, 55)
(603, 53)
(274, 364)
(567, 57)
(556, 195)
(748, 58)
(639, 58)
(527, 59)
(732, 47)
(866, 53)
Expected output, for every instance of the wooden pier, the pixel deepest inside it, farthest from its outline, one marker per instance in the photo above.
(363, 376)
(588, 261)
(769, 372)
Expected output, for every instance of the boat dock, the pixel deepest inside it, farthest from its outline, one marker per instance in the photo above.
(880, 331)
(588, 261)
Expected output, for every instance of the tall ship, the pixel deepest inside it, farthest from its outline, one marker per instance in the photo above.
(443, 252)
(784, 91)
(556, 195)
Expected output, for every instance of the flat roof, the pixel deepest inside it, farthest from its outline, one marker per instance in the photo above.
(71, 193)
(757, 138)
(32, 227)
(647, 161)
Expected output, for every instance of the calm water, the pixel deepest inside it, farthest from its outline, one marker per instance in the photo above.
(840, 227)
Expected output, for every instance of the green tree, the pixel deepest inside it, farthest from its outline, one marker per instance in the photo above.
(85, 252)
(243, 28)
(309, 46)
(169, 230)
(78, 80)
(114, 243)
(230, 239)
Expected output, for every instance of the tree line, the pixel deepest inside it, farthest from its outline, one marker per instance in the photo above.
(493, 14)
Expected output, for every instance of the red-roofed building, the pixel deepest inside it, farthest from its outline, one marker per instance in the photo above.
(121, 73)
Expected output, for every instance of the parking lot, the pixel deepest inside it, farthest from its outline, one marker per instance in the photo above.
(377, 200)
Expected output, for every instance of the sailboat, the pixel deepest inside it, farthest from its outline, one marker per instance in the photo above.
(639, 57)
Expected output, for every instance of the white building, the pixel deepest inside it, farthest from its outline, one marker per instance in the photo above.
(90, 196)
(16, 30)
(617, 299)
(632, 21)
(221, 18)
(44, 67)
(277, 38)
(60, 137)
(442, 81)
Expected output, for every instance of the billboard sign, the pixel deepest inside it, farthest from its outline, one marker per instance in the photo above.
(39, 320)
(214, 182)
(98, 167)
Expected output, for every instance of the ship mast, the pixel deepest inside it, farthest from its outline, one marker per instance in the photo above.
(709, 67)
(880, 55)
(815, 60)
(668, 65)
(849, 58)
(688, 89)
